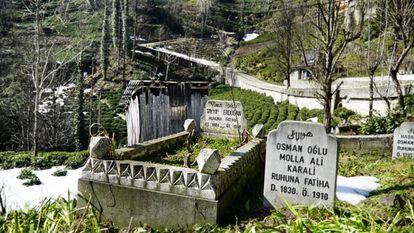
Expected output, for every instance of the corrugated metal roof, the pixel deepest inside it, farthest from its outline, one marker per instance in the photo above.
(134, 85)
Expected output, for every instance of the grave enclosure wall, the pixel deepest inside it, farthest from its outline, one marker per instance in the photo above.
(168, 196)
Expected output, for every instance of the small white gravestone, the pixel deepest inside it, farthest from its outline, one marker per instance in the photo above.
(208, 161)
(223, 117)
(189, 125)
(301, 165)
(258, 131)
(403, 144)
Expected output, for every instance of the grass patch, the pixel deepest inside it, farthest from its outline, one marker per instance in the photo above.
(175, 155)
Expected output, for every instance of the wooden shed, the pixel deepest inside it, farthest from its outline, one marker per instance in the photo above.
(156, 109)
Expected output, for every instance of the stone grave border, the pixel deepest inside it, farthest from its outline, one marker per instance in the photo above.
(217, 192)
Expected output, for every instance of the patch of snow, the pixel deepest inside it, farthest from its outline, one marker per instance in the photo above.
(189, 58)
(61, 89)
(250, 36)
(18, 196)
(137, 38)
(355, 189)
(87, 90)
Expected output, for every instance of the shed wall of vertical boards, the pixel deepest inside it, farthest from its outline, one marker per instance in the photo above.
(155, 112)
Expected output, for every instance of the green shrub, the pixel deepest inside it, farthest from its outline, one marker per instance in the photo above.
(32, 181)
(26, 173)
(292, 112)
(22, 160)
(343, 113)
(44, 160)
(303, 114)
(381, 125)
(60, 172)
(316, 113)
(76, 160)
(261, 109)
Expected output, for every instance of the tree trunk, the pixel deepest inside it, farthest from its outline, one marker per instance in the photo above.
(35, 124)
(397, 85)
(328, 106)
(328, 115)
(371, 94)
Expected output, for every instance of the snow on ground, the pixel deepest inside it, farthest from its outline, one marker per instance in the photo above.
(250, 36)
(352, 190)
(19, 196)
(355, 189)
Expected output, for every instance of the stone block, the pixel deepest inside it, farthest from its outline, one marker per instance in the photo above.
(208, 161)
(258, 131)
(189, 125)
(100, 147)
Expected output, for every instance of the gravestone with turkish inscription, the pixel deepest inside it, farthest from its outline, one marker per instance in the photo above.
(301, 165)
(223, 117)
(403, 144)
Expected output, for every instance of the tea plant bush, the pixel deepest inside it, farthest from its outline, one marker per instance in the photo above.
(260, 109)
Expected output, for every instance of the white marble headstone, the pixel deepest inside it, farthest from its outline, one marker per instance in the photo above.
(223, 117)
(403, 144)
(301, 165)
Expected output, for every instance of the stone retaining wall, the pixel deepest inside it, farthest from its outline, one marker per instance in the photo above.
(360, 144)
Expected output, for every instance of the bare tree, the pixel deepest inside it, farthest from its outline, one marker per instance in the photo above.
(204, 9)
(400, 14)
(327, 36)
(168, 59)
(284, 29)
(41, 66)
(104, 49)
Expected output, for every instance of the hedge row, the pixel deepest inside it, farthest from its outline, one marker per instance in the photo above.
(260, 109)
(44, 160)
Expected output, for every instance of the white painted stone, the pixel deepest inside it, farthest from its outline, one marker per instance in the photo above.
(301, 165)
(189, 125)
(258, 131)
(100, 147)
(403, 144)
(223, 117)
(208, 161)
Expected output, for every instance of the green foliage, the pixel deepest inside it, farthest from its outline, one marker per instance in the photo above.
(176, 154)
(382, 125)
(60, 172)
(77, 160)
(263, 64)
(260, 109)
(343, 113)
(59, 215)
(44, 160)
(303, 114)
(28, 175)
